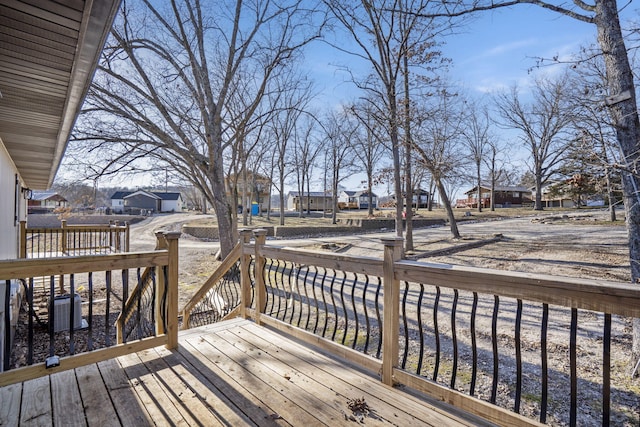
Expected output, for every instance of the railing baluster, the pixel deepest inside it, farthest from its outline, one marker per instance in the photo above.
(107, 307)
(30, 320)
(335, 308)
(325, 307)
(344, 308)
(518, 327)
(494, 346)
(72, 310)
(606, 371)
(139, 305)
(405, 325)
(304, 288)
(454, 338)
(366, 314)
(436, 334)
(51, 315)
(474, 346)
(315, 297)
(275, 290)
(355, 311)
(544, 363)
(292, 300)
(379, 317)
(7, 320)
(573, 362)
(420, 331)
(90, 314)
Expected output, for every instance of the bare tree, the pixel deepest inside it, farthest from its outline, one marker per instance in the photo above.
(368, 145)
(385, 32)
(477, 140)
(594, 124)
(544, 127)
(169, 77)
(438, 143)
(340, 128)
(495, 162)
(283, 129)
(305, 152)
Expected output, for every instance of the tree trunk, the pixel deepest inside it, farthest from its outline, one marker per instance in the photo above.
(538, 197)
(447, 206)
(625, 115)
(478, 183)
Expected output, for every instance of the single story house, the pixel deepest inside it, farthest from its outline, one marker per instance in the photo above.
(149, 201)
(356, 200)
(317, 200)
(504, 196)
(45, 202)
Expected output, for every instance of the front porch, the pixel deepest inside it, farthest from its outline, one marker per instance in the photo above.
(230, 373)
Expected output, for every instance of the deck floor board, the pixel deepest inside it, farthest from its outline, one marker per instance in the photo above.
(230, 374)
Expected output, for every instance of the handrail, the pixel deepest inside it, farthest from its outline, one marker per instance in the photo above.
(214, 280)
(589, 294)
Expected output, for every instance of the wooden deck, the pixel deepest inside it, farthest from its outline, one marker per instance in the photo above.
(232, 373)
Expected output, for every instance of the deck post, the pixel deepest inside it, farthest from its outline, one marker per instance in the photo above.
(23, 239)
(127, 236)
(245, 278)
(172, 289)
(259, 289)
(391, 309)
(161, 243)
(63, 225)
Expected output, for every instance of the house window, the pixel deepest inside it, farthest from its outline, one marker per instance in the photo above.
(516, 194)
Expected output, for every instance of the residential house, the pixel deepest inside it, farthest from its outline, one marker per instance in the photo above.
(356, 200)
(504, 197)
(316, 200)
(45, 202)
(258, 189)
(554, 195)
(420, 198)
(146, 201)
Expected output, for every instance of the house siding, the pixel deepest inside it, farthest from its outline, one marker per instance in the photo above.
(9, 227)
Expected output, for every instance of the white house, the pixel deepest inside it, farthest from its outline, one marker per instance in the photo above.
(315, 200)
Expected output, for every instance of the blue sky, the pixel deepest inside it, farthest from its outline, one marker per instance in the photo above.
(500, 47)
(494, 51)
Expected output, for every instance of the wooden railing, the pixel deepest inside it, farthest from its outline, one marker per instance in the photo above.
(55, 333)
(73, 240)
(515, 348)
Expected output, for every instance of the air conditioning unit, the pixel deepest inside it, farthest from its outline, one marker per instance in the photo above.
(62, 313)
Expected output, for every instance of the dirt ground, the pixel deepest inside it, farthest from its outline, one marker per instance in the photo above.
(575, 244)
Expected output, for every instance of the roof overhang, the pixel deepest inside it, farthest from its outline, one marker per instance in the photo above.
(48, 55)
